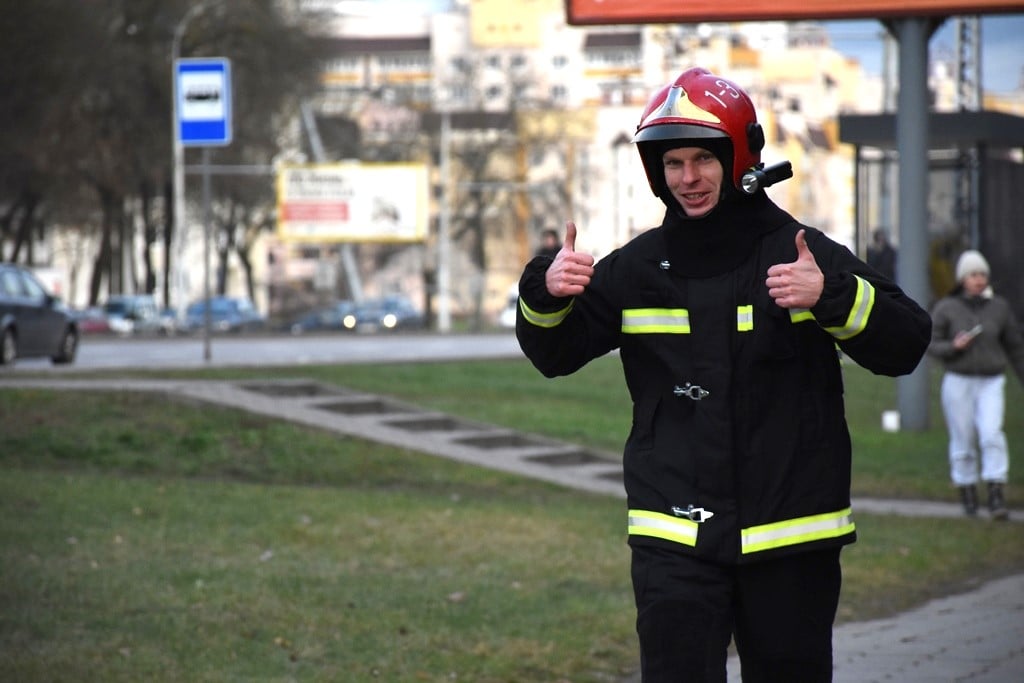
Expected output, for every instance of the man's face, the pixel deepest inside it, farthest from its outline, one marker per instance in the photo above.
(694, 176)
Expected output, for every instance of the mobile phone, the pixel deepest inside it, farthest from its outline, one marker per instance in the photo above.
(974, 331)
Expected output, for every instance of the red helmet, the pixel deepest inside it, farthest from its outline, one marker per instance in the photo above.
(707, 111)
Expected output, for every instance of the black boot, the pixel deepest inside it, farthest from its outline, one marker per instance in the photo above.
(969, 497)
(996, 501)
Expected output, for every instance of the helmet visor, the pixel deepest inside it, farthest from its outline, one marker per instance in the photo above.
(680, 132)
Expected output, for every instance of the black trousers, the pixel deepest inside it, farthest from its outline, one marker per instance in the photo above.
(779, 612)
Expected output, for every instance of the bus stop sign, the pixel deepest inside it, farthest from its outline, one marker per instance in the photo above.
(202, 98)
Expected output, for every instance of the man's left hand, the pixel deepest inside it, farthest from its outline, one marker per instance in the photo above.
(798, 284)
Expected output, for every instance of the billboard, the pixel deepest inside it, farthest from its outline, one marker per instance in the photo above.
(352, 202)
(695, 11)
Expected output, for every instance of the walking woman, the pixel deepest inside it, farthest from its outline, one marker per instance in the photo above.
(975, 335)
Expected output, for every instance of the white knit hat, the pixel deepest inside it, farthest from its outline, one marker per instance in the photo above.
(970, 261)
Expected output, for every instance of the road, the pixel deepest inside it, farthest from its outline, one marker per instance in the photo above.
(187, 352)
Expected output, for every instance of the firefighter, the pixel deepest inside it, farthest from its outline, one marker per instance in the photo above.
(729, 319)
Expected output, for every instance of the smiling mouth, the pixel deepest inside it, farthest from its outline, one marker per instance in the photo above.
(695, 196)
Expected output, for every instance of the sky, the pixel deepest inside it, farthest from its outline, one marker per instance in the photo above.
(1002, 47)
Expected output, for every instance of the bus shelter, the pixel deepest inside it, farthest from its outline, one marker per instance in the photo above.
(976, 191)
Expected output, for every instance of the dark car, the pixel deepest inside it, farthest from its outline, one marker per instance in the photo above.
(394, 312)
(338, 317)
(227, 314)
(33, 322)
(138, 314)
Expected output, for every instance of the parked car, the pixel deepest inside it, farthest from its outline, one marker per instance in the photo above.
(91, 321)
(33, 322)
(169, 320)
(394, 312)
(337, 317)
(227, 314)
(129, 314)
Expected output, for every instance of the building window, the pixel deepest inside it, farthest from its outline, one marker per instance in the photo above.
(459, 93)
(342, 64)
(606, 58)
(404, 62)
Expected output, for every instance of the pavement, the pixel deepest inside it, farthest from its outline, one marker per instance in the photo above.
(977, 635)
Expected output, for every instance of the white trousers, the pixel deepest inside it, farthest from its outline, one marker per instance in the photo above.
(974, 409)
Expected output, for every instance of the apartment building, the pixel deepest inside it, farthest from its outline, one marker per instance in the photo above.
(564, 102)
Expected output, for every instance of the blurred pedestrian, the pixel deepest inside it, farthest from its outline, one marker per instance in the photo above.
(550, 243)
(727, 317)
(976, 337)
(882, 255)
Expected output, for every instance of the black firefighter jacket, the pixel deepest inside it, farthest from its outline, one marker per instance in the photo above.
(739, 449)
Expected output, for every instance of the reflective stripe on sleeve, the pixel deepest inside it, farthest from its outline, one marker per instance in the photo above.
(659, 525)
(856, 321)
(744, 318)
(655, 321)
(863, 302)
(543, 319)
(796, 531)
(799, 315)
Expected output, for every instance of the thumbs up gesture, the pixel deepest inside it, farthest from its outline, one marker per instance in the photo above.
(570, 272)
(798, 284)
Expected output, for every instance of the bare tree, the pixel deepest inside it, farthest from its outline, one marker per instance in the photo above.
(88, 104)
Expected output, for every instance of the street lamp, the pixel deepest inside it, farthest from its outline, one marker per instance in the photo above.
(444, 315)
(179, 150)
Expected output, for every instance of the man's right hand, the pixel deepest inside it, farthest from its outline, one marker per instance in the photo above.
(570, 272)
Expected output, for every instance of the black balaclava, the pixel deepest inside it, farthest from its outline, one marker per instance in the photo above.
(720, 240)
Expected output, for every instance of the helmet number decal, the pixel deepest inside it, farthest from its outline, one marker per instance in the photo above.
(726, 89)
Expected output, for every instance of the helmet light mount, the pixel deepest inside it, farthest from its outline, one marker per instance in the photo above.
(760, 176)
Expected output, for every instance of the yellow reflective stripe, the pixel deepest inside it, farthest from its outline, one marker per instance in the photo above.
(655, 321)
(799, 315)
(796, 531)
(658, 525)
(863, 302)
(543, 319)
(744, 318)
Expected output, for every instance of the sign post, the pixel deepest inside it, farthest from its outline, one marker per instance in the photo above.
(202, 112)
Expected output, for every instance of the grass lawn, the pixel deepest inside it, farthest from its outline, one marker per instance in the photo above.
(146, 539)
(592, 408)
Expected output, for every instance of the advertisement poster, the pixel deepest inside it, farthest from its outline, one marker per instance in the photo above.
(353, 202)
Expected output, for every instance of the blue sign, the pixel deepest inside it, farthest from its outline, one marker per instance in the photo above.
(202, 92)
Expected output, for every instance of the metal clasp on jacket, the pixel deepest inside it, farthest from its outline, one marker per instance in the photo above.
(693, 514)
(694, 392)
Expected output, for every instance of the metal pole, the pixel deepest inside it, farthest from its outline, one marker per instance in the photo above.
(207, 315)
(444, 319)
(178, 241)
(178, 154)
(348, 258)
(912, 149)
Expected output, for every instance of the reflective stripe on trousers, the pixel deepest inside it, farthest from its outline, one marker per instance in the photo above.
(796, 531)
(754, 539)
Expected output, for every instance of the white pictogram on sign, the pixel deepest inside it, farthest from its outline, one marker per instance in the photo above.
(202, 96)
